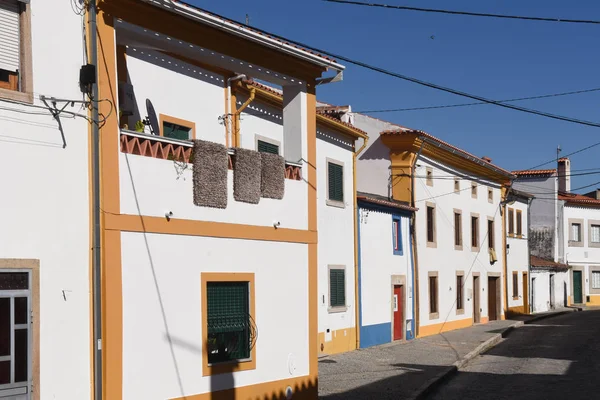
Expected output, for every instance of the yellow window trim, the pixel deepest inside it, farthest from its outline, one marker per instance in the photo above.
(162, 118)
(245, 365)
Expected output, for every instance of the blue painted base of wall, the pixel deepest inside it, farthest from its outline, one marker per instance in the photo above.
(372, 335)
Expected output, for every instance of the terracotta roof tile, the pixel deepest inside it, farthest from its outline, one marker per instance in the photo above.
(428, 136)
(542, 263)
(374, 199)
(578, 199)
(534, 172)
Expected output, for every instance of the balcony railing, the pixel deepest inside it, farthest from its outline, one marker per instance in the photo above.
(142, 144)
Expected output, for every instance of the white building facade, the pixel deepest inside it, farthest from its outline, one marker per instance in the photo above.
(45, 257)
(386, 271)
(549, 283)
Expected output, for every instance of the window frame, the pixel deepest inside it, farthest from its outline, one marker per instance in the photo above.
(397, 235)
(433, 313)
(510, 216)
(491, 235)
(24, 93)
(457, 185)
(329, 201)
(433, 243)
(33, 267)
(162, 118)
(460, 292)
(336, 309)
(580, 242)
(259, 138)
(515, 288)
(475, 238)
(429, 176)
(490, 195)
(459, 246)
(592, 269)
(519, 224)
(591, 224)
(474, 190)
(232, 366)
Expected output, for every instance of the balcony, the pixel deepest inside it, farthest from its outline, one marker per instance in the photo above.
(160, 147)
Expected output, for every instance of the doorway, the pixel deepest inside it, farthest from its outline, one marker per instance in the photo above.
(476, 308)
(525, 294)
(577, 286)
(552, 306)
(492, 298)
(532, 294)
(398, 312)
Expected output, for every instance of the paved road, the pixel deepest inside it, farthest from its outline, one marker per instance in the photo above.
(556, 358)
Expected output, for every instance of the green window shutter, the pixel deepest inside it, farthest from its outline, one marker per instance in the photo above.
(337, 287)
(266, 147)
(335, 173)
(174, 131)
(228, 317)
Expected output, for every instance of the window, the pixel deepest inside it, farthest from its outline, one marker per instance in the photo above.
(595, 279)
(474, 232)
(456, 185)
(19, 321)
(337, 288)
(228, 307)
(429, 174)
(430, 224)
(474, 190)
(519, 223)
(515, 285)
(576, 232)
(511, 221)
(228, 317)
(490, 195)
(335, 183)
(15, 50)
(176, 128)
(491, 234)
(266, 147)
(433, 295)
(397, 235)
(595, 234)
(459, 293)
(457, 230)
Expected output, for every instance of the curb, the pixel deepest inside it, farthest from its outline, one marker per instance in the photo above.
(432, 384)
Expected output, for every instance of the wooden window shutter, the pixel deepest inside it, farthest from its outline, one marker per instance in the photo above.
(336, 182)
(266, 147)
(337, 287)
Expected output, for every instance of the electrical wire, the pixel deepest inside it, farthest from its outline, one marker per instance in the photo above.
(567, 155)
(451, 178)
(477, 103)
(467, 13)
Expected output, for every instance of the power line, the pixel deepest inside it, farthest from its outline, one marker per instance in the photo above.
(477, 103)
(468, 13)
(568, 155)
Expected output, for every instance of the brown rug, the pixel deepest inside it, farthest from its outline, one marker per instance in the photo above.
(246, 176)
(210, 174)
(272, 183)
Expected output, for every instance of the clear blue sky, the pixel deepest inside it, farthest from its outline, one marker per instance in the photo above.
(494, 58)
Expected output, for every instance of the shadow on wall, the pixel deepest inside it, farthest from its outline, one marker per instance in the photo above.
(376, 151)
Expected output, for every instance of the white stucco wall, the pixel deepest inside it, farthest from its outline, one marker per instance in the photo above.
(336, 230)
(162, 311)
(517, 258)
(379, 263)
(46, 201)
(540, 286)
(444, 259)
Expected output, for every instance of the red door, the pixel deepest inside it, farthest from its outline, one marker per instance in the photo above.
(398, 317)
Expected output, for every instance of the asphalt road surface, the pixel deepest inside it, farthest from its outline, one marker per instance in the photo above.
(555, 358)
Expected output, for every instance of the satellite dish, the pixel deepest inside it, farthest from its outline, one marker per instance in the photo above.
(151, 119)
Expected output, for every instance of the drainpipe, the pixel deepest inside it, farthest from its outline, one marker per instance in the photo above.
(530, 306)
(416, 319)
(356, 243)
(228, 113)
(236, 133)
(504, 244)
(96, 250)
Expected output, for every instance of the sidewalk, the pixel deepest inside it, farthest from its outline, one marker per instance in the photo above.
(406, 370)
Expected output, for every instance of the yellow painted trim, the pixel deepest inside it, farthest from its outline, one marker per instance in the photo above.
(176, 121)
(485, 320)
(517, 310)
(208, 370)
(434, 329)
(311, 162)
(238, 112)
(137, 223)
(505, 258)
(342, 340)
(304, 388)
(594, 300)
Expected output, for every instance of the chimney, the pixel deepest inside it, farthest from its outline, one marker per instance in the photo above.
(564, 174)
(486, 159)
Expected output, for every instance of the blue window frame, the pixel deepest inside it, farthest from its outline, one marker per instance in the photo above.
(397, 235)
